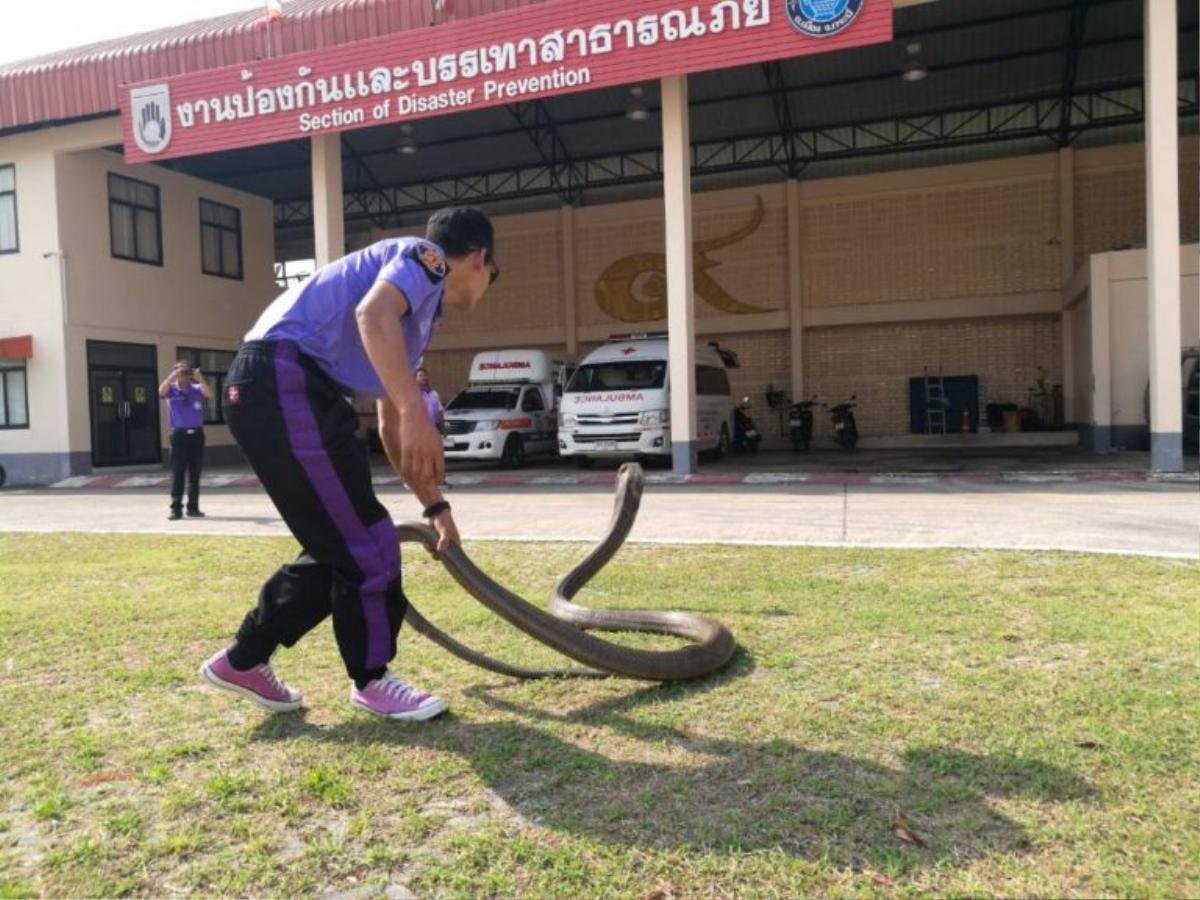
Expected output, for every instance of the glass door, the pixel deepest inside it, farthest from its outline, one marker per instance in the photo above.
(123, 395)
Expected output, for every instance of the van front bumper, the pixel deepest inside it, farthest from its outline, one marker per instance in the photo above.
(614, 442)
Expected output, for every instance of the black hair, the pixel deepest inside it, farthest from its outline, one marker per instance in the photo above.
(460, 229)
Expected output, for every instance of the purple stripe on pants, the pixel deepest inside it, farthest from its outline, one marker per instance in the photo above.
(374, 549)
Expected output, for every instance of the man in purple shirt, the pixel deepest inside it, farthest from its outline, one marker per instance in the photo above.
(185, 391)
(358, 326)
(433, 403)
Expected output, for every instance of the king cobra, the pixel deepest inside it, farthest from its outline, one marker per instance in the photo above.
(565, 627)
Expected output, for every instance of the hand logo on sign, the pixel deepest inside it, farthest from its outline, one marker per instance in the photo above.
(152, 125)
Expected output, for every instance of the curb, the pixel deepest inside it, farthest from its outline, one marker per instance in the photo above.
(823, 479)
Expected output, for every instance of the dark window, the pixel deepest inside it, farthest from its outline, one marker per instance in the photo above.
(532, 401)
(135, 220)
(8, 209)
(618, 376)
(220, 240)
(14, 398)
(213, 364)
(711, 380)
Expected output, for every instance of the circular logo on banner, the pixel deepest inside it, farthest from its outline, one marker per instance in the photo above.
(822, 18)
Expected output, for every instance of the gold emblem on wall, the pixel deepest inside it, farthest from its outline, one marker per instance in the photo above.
(634, 288)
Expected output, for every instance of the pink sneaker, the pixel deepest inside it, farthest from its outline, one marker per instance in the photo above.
(389, 696)
(260, 684)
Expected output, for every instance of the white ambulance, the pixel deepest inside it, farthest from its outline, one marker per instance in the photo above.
(508, 409)
(617, 404)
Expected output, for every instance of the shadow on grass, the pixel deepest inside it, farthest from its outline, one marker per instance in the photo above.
(727, 795)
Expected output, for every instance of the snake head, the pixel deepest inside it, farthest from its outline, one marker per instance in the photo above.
(630, 471)
(630, 480)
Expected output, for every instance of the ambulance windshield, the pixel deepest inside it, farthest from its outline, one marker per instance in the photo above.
(618, 376)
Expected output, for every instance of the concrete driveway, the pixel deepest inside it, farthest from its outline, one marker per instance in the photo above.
(1139, 518)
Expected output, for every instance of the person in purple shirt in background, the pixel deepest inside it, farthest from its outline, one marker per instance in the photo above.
(433, 403)
(359, 326)
(185, 391)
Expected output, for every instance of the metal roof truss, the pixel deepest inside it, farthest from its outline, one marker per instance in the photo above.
(1050, 116)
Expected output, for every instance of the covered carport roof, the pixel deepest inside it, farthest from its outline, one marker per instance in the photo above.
(1003, 76)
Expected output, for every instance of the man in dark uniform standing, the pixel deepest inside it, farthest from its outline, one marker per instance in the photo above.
(358, 326)
(185, 391)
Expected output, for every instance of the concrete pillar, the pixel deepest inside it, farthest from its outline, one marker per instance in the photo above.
(795, 300)
(681, 322)
(568, 279)
(329, 228)
(1066, 247)
(1162, 233)
(1101, 304)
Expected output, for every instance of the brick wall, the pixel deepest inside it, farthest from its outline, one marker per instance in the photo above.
(1110, 198)
(924, 244)
(625, 244)
(979, 232)
(765, 361)
(876, 361)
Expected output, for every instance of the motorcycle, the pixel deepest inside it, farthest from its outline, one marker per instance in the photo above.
(845, 429)
(746, 436)
(800, 423)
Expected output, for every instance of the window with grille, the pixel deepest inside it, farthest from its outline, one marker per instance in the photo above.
(220, 239)
(14, 398)
(135, 220)
(8, 209)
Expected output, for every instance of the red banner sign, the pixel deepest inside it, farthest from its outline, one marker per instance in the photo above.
(524, 54)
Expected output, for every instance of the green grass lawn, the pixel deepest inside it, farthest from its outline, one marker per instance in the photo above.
(1033, 716)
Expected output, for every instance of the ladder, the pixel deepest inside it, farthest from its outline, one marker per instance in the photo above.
(936, 403)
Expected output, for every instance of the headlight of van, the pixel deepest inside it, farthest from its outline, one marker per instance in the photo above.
(487, 425)
(653, 418)
(568, 420)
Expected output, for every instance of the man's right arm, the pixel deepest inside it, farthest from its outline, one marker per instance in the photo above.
(378, 315)
(391, 438)
(165, 388)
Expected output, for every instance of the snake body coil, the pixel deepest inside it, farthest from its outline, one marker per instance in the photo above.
(566, 626)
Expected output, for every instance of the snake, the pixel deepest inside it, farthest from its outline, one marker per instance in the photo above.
(566, 626)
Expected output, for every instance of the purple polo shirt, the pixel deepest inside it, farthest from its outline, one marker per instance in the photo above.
(433, 406)
(186, 406)
(318, 315)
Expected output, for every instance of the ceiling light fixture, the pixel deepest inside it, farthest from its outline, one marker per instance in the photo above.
(408, 146)
(637, 111)
(914, 69)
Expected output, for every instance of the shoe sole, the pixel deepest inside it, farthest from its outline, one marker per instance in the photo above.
(273, 705)
(417, 715)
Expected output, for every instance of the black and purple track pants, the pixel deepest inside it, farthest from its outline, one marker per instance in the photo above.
(298, 431)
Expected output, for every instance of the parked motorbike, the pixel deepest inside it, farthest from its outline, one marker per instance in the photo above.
(845, 429)
(746, 436)
(800, 423)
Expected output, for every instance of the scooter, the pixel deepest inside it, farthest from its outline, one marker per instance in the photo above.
(746, 436)
(800, 423)
(845, 429)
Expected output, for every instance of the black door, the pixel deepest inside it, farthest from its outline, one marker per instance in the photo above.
(108, 420)
(123, 394)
